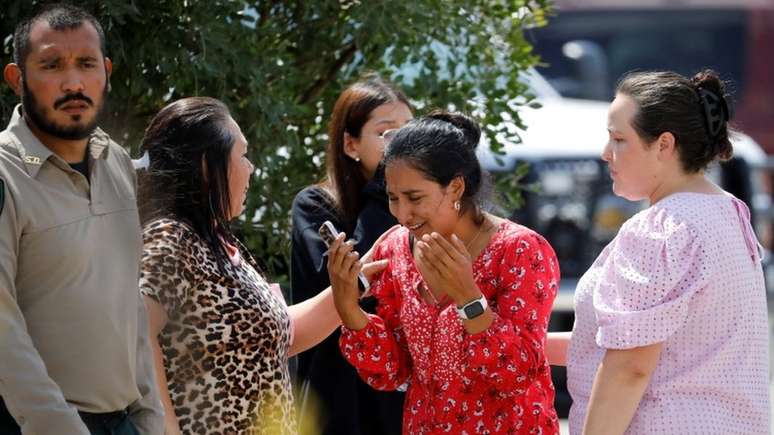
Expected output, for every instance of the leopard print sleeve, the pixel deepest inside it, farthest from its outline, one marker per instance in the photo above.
(168, 267)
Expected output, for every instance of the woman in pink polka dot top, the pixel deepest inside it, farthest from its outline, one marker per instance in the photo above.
(670, 334)
(463, 305)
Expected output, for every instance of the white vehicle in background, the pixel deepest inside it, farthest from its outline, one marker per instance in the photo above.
(574, 206)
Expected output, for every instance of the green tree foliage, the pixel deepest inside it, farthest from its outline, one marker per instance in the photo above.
(279, 65)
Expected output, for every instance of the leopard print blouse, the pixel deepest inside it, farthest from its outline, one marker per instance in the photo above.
(226, 342)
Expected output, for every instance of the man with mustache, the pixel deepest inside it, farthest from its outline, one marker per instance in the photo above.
(73, 330)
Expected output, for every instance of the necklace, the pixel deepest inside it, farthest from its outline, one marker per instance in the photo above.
(478, 233)
(435, 300)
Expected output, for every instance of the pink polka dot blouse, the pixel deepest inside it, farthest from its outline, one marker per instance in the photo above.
(685, 272)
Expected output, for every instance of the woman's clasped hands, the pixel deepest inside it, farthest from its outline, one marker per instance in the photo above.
(447, 268)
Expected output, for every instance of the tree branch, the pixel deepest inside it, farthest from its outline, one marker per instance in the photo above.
(317, 87)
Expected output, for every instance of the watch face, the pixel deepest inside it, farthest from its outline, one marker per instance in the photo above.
(473, 310)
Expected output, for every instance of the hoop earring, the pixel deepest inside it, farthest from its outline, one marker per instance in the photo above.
(457, 205)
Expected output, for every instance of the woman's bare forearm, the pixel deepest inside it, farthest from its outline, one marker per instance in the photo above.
(313, 320)
(621, 380)
(157, 319)
(557, 344)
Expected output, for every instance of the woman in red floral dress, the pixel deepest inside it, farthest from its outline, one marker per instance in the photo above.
(464, 302)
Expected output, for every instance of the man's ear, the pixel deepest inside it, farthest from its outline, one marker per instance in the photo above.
(108, 71)
(13, 76)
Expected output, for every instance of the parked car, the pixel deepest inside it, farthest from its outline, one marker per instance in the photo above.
(574, 206)
(589, 44)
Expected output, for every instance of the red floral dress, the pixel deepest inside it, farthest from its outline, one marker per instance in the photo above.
(494, 382)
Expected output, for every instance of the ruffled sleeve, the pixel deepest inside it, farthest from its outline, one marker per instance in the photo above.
(379, 351)
(654, 269)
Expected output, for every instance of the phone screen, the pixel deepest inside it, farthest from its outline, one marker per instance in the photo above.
(328, 234)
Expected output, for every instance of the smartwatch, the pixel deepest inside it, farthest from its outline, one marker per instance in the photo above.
(473, 309)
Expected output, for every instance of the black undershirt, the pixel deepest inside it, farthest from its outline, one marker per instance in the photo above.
(82, 167)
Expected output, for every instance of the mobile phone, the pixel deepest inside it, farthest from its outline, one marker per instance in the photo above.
(328, 233)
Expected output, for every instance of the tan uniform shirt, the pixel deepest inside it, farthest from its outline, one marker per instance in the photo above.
(73, 329)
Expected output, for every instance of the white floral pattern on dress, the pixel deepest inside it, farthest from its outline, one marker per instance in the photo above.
(495, 382)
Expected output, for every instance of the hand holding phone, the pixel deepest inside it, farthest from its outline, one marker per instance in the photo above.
(328, 233)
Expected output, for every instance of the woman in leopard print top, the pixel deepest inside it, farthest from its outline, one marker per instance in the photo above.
(227, 336)
(222, 336)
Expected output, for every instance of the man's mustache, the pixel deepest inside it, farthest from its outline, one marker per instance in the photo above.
(72, 97)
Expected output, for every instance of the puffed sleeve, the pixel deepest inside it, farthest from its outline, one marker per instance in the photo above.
(166, 272)
(379, 351)
(655, 266)
(510, 351)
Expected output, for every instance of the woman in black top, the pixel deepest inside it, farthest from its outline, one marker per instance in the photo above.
(334, 399)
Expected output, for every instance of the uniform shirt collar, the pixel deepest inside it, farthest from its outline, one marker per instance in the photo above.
(34, 154)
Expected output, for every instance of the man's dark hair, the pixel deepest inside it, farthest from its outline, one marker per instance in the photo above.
(60, 16)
